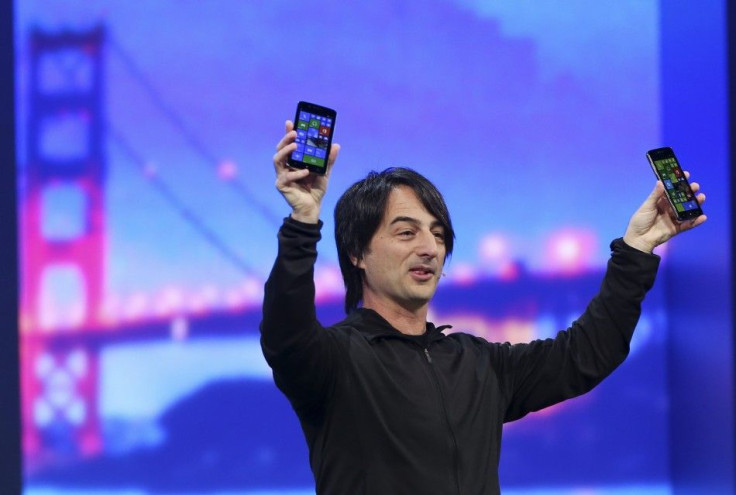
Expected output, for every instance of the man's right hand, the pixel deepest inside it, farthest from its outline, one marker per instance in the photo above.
(301, 189)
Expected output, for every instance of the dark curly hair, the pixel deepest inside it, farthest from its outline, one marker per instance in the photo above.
(359, 213)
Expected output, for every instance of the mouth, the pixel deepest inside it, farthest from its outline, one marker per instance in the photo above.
(422, 272)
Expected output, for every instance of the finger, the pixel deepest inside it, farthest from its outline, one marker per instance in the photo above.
(279, 159)
(656, 195)
(701, 198)
(694, 187)
(691, 224)
(289, 126)
(289, 137)
(331, 160)
(287, 177)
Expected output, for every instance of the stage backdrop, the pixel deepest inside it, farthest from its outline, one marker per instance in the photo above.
(149, 219)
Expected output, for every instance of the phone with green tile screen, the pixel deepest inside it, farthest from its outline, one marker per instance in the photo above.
(314, 125)
(668, 170)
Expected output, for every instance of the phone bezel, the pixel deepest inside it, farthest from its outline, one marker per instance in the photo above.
(322, 111)
(667, 152)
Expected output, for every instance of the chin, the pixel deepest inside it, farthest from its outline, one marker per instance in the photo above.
(422, 298)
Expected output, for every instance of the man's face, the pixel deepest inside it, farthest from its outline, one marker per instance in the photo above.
(404, 259)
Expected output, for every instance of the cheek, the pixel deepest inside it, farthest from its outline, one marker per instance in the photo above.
(386, 264)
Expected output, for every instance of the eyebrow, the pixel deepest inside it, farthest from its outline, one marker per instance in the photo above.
(414, 221)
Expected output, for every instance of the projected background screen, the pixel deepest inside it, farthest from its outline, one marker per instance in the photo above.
(149, 218)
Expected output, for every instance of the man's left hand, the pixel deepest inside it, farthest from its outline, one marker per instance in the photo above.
(654, 223)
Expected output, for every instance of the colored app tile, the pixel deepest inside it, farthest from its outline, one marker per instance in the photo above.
(301, 135)
(312, 160)
(679, 207)
(314, 123)
(324, 131)
(297, 156)
(320, 152)
(300, 147)
(302, 124)
(304, 115)
(309, 150)
(313, 132)
(667, 183)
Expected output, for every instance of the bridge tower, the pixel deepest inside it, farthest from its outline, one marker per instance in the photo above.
(62, 191)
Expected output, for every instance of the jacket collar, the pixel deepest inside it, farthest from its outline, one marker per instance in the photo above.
(375, 326)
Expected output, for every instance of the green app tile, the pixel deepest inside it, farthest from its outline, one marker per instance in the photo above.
(302, 124)
(314, 123)
(679, 207)
(313, 160)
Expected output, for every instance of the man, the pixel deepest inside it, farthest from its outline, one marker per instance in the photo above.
(387, 402)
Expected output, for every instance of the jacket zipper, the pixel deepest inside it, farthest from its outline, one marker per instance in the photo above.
(447, 419)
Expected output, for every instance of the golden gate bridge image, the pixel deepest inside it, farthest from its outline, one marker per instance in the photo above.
(67, 134)
(63, 336)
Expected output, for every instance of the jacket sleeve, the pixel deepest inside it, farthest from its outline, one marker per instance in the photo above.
(545, 372)
(294, 343)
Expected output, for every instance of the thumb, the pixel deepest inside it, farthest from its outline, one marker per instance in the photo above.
(655, 195)
(331, 159)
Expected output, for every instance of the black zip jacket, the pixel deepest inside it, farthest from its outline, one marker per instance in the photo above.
(386, 413)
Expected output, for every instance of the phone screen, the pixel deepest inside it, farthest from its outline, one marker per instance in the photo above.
(314, 125)
(668, 170)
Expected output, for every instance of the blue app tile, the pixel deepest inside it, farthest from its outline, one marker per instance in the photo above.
(320, 152)
(300, 134)
(667, 183)
(309, 150)
(297, 156)
(312, 132)
(300, 147)
(304, 116)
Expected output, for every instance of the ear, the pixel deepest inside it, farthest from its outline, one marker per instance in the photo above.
(357, 262)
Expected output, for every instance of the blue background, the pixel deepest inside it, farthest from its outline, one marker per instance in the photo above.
(533, 120)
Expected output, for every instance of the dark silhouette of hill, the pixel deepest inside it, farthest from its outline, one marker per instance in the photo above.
(230, 434)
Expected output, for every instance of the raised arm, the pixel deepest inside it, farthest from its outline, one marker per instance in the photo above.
(545, 372)
(291, 337)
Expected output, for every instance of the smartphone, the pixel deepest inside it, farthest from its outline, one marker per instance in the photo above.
(668, 170)
(314, 125)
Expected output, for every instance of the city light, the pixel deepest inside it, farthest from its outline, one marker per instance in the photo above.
(227, 170)
(570, 251)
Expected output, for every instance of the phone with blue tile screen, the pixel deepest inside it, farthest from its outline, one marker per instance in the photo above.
(680, 195)
(314, 125)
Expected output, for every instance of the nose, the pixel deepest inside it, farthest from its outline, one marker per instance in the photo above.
(428, 245)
